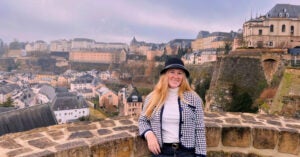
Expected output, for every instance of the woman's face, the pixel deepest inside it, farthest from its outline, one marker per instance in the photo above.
(175, 77)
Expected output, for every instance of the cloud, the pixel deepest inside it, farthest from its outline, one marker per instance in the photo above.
(120, 20)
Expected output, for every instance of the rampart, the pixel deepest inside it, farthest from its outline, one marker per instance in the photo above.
(228, 134)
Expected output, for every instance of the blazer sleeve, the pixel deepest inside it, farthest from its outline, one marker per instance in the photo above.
(200, 147)
(143, 122)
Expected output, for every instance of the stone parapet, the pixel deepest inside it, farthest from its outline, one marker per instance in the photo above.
(228, 134)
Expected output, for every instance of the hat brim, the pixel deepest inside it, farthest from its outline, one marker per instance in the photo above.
(187, 73)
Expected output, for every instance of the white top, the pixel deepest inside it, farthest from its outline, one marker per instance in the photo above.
(170, 117)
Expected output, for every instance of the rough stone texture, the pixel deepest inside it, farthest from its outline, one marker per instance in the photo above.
(227, 134)
(213, 136)
(81, 127)
(41, 143)
(236, 136)
(74, 149)
(289, 142)
(45, 153)
(104, 131)
(264, 138)
(10, 144)
(31, 136)
(18, 151)
(107, 123)
(56, 135)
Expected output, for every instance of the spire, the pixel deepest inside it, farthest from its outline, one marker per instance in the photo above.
(133, 41)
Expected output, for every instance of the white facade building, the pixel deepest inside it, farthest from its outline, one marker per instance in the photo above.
(60, 46)
(39, 45)
(279, 28)
(82, 44)
(68, 107)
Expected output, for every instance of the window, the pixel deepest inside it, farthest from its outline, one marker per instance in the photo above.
(272, 28)
(260, 32)
(271, 43)
(283, 28)
(292, 30)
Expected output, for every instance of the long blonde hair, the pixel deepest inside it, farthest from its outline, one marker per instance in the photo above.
(159, 94)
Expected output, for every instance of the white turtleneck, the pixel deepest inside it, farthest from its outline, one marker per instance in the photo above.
(170, 117)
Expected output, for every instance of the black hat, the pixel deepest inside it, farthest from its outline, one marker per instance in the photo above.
(174, 63)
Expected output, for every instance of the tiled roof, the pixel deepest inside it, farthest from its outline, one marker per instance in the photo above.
(284, 10)
(26, 119)
(68, 101)
(8, 88)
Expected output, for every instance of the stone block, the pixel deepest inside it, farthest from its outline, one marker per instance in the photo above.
(248, 117)
(31, 136)
(289, 142)
(9, 144)
(113, 148)
(107, 123)
(236, 136)
(141, 147)
(45, 153)
(56, 134)
(218, 154)
(74, 149)
(82, 134)
(16, 152)
(41, 143)
(131, 128)
(232, 120)
(213, 136)
(81, 127)
(126, 121)
(264, 138)
(272, 122)
(104, 131)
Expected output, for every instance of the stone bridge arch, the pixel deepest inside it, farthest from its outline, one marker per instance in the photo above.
(270, 64)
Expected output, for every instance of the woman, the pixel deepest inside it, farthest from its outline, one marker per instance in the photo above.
(172, 116)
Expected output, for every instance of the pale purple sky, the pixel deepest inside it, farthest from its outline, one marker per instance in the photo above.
(119, 20)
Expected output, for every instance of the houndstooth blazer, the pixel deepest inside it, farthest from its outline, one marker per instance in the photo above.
(191, 124)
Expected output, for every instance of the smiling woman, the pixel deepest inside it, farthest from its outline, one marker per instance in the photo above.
(172, 116)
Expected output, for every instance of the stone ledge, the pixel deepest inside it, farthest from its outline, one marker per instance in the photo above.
(228, 134)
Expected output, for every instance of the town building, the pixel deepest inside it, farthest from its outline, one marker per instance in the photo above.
(68, 107)
(131, 101)
(107, 98)
(173, 46)
(82, 44)
(278, 28)
(98, 56)
(37, 46)
(62, 45)
(142, 48)
(212, 41)
(7, 91)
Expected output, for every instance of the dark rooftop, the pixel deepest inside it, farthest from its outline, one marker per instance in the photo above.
(26, 119)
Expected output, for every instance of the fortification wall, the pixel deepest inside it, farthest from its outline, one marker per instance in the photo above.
(228, 134)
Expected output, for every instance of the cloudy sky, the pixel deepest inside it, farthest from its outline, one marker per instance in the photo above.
(120, 20)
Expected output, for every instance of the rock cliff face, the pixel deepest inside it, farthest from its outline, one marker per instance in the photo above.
(243, 73)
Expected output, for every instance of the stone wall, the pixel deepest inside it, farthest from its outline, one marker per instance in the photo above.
(228, 134)
(248, 72)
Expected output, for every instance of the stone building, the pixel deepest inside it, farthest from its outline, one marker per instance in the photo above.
(278, 28)
(37, 46)
(68, 107)
(62, 45)
(98, 56)
(211, 41)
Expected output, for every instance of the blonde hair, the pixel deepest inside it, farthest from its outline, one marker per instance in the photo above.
(159, 94)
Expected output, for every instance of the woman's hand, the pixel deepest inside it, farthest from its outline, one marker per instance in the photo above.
(153, 145)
